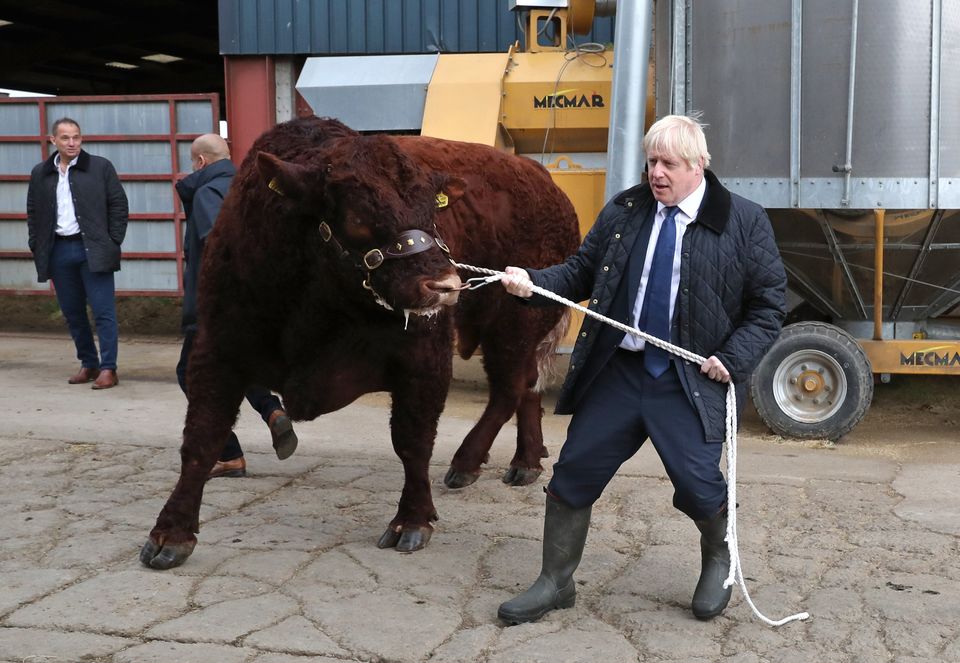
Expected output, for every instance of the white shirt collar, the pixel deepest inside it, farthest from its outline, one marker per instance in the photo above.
(691, 204)
(56, 160)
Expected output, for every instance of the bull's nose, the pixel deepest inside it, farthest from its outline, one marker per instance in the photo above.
(446, 289)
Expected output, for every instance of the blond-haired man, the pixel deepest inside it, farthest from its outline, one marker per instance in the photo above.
(683, 259)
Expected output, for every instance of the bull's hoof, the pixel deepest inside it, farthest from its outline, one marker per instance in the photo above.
(406, 539)
(455, 479)
(165, 556)
(520, 476)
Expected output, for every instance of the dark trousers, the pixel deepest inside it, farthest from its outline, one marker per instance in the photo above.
(76, 286)
(623, 407)
(262, 400)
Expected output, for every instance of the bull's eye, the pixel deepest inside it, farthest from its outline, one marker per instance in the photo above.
(357, 231)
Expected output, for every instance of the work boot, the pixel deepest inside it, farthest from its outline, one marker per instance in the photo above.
(710, 596)
(284, 437)
(564, 534)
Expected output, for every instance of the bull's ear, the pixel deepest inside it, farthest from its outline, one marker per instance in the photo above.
(453, 190)
(282, 177)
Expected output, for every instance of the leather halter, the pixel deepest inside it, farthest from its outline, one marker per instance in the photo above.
(406, 243)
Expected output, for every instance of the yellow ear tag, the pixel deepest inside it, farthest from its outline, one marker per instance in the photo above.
(442, 200)
(274, 186)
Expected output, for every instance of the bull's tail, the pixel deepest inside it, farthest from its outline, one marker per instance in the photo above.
(547, 352)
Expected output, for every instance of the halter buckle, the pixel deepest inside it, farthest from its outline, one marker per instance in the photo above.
(325, 232)
(373, 259)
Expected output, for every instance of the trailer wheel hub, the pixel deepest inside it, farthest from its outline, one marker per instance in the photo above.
(809, 386)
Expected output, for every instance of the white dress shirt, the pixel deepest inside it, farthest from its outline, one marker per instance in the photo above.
(66, 214)
(685, 216)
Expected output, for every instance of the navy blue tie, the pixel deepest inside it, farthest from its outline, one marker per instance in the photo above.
(655, 313)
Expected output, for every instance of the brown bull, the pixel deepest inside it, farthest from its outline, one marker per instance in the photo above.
(326, 278)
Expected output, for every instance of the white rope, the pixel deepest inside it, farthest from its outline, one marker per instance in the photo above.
(735, 575)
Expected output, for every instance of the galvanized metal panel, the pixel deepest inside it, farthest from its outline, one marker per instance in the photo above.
(891, 95)
(149, 197)
(19, 119)
(326, 27)
(13, 197)
(148, 117)
(19, 158)
(950, 95)
(734, 62)
(147, 275)
(20, 275)
(891, 128)
(184, 162)
(195, 117)
(13, 235)
(949, 193)
(825, 71)
(142, 157)
(740, 75)
(369, 93)
(150, 237)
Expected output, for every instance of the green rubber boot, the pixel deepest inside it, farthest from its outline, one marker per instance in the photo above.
(710, 598)
(564, 534)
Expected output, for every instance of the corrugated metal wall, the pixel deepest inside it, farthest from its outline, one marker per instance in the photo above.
(338, 27)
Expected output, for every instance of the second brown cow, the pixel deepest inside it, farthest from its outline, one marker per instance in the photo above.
(328, 276)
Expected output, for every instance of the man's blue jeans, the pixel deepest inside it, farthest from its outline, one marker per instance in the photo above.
(76, 286)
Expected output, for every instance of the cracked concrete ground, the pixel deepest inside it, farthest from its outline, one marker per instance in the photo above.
(864, 534)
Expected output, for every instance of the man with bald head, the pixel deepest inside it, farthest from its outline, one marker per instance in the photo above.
(202, 193)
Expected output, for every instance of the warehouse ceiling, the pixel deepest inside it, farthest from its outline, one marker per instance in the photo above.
(110, 46)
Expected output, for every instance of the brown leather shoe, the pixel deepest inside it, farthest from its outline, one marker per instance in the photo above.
(284, 437)
(229, 468)
(84, 375)
(106, 379)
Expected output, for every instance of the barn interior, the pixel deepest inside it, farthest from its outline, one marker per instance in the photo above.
(110, 47)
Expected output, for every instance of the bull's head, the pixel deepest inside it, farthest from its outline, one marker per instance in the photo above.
(375, 209)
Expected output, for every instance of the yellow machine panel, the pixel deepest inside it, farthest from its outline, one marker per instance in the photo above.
(913, 356)
(585, 188)
(463, 99)
(558, 102)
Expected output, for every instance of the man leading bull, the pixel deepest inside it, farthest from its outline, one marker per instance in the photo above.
(683, 259)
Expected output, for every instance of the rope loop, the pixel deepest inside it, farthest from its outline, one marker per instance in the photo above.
(735, 575)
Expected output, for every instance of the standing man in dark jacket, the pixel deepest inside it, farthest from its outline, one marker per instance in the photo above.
(76, 221)
(685, 260)
(202, 194)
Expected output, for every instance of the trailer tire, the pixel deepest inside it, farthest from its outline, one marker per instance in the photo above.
(815, 382)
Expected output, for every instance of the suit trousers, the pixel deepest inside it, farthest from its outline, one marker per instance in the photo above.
(622, 408)
(76, 286)
(262, 400)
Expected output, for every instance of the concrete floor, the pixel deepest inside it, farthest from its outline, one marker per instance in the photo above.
(863, 534)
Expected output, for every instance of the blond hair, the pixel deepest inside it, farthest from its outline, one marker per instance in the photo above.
(680, 136)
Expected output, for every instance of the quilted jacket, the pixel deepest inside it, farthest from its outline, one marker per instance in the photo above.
(731, 301)
(100, 204)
